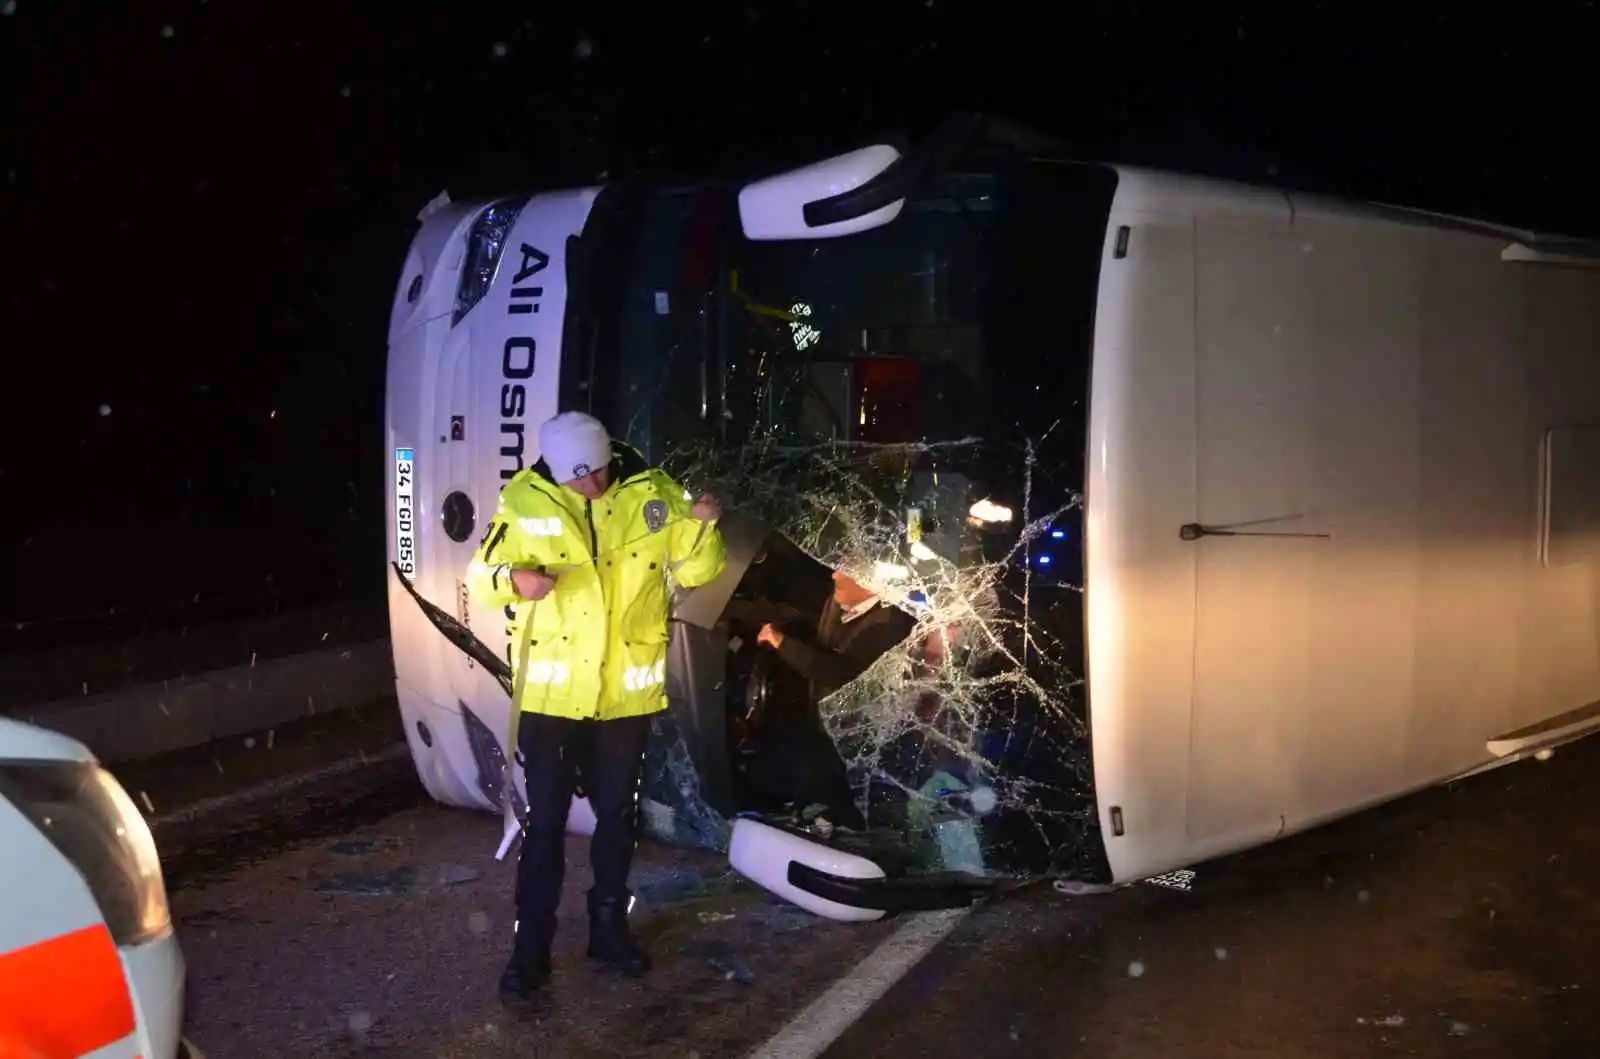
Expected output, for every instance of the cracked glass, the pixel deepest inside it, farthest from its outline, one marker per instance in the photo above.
(907, 405)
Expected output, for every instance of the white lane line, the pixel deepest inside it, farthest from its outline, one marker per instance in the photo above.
(810, 1033)
(282, 785)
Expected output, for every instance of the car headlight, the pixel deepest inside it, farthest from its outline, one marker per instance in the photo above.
(484, 246)
(85, 813)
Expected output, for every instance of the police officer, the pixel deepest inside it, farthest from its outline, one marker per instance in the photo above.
(579, 552)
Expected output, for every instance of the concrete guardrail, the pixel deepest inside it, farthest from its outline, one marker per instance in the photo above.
(156, 718)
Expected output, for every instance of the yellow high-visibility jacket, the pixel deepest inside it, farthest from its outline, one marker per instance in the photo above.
(598, 642)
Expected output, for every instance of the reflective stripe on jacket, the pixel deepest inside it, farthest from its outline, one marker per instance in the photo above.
(598, 642)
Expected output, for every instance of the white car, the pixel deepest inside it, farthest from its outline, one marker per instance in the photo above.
(89, 963)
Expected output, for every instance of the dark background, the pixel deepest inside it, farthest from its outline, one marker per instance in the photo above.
(206, 205)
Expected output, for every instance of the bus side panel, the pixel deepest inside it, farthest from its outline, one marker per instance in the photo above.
(1257, 399)
(1337, 673)
(1379, 389)
(1477, 493)
(1139, 488)
(1559, 642)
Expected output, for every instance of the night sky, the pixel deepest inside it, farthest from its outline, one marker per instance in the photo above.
(206, 205)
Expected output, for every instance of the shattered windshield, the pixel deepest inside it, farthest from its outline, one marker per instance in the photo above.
(907, 405)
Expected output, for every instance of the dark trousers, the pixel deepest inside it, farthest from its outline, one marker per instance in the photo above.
(606, 758)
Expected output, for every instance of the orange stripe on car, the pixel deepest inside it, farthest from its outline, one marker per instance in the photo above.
(63, 997)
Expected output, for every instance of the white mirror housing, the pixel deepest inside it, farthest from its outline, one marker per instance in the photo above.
(773, 208)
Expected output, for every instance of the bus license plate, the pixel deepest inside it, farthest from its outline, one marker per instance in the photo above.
(405, 523)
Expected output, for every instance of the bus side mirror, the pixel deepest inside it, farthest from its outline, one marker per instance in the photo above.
(773, 208)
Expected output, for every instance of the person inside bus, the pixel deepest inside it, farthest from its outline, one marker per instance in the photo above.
(580, 547)
(796, 760)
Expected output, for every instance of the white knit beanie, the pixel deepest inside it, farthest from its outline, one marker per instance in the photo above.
(574, 444)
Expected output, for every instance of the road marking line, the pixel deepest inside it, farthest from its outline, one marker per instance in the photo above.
(282, 785)
(811, 1032)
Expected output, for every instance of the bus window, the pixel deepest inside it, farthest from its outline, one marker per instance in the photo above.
(876, 337)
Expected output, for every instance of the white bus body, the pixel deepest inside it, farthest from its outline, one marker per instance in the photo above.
(491, 378)
(1426, 396)
(1411, 402)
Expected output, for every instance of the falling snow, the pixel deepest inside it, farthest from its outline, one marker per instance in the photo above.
(876, 713)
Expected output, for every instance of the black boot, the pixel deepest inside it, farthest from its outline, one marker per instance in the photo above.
(529, 967)
(610, 940)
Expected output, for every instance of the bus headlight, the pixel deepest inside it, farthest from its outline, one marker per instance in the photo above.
(85, 813)
(484, 247)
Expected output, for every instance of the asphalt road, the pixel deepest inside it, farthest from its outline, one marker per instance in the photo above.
(388, 941)
(1459, 922)
(351, 916)
(354, 918)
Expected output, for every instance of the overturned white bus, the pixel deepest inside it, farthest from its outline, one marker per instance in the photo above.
(1320, 487)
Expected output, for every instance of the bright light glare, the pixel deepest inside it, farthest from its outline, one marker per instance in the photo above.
(887, 572)
(988, 511)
